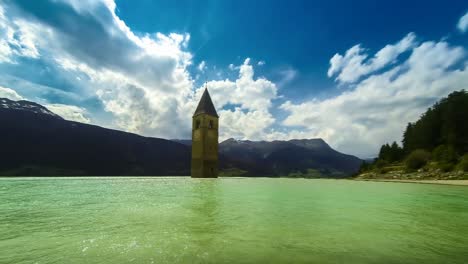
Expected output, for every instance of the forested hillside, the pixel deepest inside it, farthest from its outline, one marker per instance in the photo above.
(437, 141)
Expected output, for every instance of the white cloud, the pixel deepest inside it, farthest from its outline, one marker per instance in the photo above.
(287, 76)
(9, 94)
(69, 112)
(17, 38)
(358, 121)
(463, 23)
(242, 124)
(356, 63)
(250, 93)
(252, 99)
(142, 80)
(261, 63)
(202, 66)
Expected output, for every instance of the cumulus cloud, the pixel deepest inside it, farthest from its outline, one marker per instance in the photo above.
(356, 62)
(142, 80)
(377, 110)
(69, 112)
(9, 94)
(251, 98)
(463, 23)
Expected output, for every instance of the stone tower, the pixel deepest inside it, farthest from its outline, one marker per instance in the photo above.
(205, 139)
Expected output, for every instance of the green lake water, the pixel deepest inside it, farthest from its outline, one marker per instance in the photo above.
(230, 220)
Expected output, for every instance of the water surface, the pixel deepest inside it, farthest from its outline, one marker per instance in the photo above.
(241, 220)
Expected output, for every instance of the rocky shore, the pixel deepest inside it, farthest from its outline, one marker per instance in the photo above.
(419, 175)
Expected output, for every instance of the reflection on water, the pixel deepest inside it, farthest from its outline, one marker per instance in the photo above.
(204, 222)
(184, 220)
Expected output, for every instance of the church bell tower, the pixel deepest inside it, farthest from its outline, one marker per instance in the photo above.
(205, 139)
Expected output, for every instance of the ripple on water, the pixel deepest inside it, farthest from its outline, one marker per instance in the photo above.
(179, 220)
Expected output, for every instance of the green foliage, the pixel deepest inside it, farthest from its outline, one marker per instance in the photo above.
(380, 166)
(444, 154)
(443, 124)
(365, 166)
(383, 170)
(417, 159)
(463, 164)
(442, 130)
(391, 153)
(380, 163)
(445, 166)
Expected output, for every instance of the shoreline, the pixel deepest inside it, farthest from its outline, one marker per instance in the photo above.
(438, 182)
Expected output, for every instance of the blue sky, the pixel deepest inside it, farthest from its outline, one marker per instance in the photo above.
(353, 73)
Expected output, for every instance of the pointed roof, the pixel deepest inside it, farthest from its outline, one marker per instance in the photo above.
(205, 106)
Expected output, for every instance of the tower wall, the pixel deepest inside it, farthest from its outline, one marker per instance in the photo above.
(204, 146)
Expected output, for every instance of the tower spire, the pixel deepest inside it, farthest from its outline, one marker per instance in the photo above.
(205, 106)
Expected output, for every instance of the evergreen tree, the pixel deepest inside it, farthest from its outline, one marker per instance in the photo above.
(442, 130)
(391, 153)
(443, 124)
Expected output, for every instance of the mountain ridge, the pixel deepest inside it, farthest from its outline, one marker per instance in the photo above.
(61, 147)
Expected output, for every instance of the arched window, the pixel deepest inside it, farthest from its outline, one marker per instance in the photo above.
(211, 124)
(197, 124)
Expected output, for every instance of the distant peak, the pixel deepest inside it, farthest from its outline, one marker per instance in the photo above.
(310, 143)
(313, 143)
(308, 140)
(233, 140)
(23, 105)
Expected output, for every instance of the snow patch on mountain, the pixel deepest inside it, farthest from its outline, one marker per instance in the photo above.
(26, 106)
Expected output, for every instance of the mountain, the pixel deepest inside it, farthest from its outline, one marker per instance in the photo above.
(187, 142)
(10, 106)
(35, 141)
(297, 157)
(305, 157)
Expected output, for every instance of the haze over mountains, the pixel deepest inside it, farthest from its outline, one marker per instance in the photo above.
(37, 142)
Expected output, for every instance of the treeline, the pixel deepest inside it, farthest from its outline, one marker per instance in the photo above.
(439, 137)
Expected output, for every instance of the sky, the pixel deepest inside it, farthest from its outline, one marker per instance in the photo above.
(351, 72)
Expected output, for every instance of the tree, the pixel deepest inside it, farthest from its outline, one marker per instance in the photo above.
(384, 152)
(408, 144)
(443, 124)
(391, 153)
(396, 152)
(417, 159)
